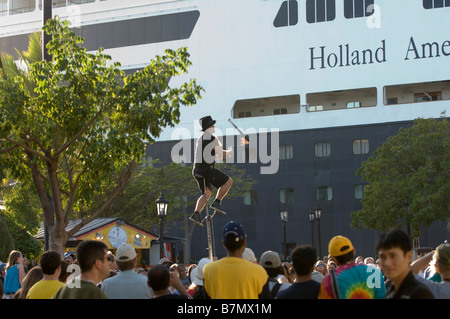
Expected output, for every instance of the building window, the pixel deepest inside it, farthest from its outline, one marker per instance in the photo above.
(361, 146)
(434, 4)
(358, 8)
(322, 149)
(250, 198)
(147, 161)
(287, 15)
(249, 155)
(285, 152)
(324, 193)
(179, 159)
(320, 10)
(359, 191)
(287, 195)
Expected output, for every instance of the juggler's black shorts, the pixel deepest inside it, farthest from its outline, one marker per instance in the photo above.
(213, 177)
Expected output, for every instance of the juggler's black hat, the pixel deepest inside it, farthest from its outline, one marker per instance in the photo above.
(206, 122)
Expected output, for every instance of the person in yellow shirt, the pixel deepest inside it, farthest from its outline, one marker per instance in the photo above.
(50, 263)
(233, 277)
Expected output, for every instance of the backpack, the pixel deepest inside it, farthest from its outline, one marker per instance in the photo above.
(275, 288)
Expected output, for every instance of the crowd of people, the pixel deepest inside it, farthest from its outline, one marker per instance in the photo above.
(342, 274)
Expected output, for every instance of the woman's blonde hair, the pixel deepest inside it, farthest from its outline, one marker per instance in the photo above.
(12, 259)
(33, 276)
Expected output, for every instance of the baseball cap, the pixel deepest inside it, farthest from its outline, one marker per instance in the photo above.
(197, 272)
(270, 259)
(125, 253)
(249, 255)
(234, 231)
(339, 245)
(442, 254)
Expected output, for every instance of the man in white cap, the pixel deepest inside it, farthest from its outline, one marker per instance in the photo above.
(127, 284)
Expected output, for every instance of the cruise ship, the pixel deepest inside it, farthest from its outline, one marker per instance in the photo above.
(325, 81)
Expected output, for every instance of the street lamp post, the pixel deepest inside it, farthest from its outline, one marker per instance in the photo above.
(284, 219)
(161, 207)
(311, 219)
(318, 215)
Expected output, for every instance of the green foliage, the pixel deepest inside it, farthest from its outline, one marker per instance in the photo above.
(408, 179)
(22, 240)
(76, 126)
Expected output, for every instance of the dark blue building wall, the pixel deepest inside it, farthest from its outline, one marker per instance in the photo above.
(303, 173)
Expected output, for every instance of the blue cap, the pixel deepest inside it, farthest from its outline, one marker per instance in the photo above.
(234, 231)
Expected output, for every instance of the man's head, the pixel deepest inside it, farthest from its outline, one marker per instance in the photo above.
(206, 122)
(303, 259)
(341, 249)
(126, 257)
(395, 253)
(158, 277)
(271, 262)
(234, 237)
(92, 255)
(50, 262)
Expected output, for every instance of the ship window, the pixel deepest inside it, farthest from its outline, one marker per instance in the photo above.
(287, 195)
(287, 15)
(434, 4)
(267, 106)
(427, 96)
(285, 152)
(79, 1)
(324, 193)
(392, 100)
(3, 7)
(320, 10)
(244, 114)
(342, 99)
(418, 92)
(315, 108)
(359, 191)
(351, 105)
(358, 8)
(55, 3)
(361, 146)
(21, 6)
(322, 149)
(250, 197)
(280, 111)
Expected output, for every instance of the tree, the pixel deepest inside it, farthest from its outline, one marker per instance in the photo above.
(18, 220)
(138, 203)
(408, 179)
(77, 125)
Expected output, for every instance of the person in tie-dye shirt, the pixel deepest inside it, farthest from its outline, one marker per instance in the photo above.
(350, 280)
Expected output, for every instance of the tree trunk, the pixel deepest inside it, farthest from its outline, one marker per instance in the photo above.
(58, 238)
